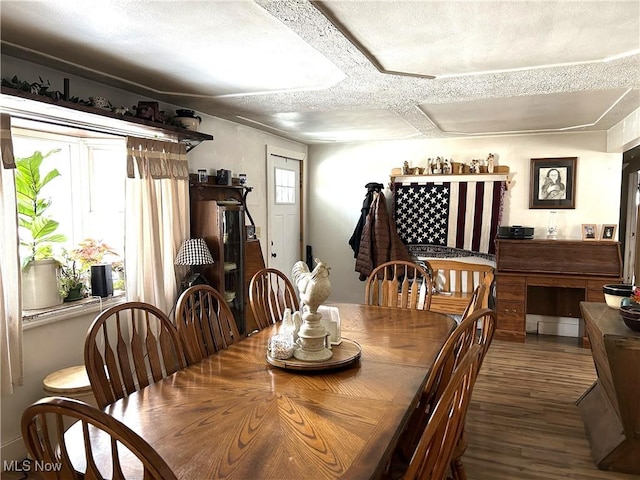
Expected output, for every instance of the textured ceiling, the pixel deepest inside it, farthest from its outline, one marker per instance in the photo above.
(352, 70)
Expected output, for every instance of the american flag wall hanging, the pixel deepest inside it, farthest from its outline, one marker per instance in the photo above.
(449, 219)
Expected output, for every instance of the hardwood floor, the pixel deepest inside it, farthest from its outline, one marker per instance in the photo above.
(522, 422)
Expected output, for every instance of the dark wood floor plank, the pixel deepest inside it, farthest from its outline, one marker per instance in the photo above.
(523, 423)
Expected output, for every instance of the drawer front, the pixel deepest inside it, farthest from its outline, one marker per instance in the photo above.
(510, 288)
(557, 281)
(511, 316)
(595, 296)
(594, 288)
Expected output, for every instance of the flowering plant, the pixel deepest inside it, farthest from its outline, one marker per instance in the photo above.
(92, 252)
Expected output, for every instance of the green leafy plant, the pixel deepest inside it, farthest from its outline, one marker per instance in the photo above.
(118, 268)
(71, 277)
(36, 88)
(37, 229)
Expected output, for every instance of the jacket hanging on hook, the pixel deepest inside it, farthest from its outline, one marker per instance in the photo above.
(379, 241)
(354, 241)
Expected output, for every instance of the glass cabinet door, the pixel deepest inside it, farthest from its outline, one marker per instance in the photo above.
(232, 230)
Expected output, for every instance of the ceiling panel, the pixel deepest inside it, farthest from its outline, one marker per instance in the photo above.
(552, 112)
(445, 38)
(190, 48)
(340, 126)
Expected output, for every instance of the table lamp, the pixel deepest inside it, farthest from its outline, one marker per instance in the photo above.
(195, 253)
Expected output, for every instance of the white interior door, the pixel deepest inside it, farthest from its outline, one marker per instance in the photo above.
(283, 228)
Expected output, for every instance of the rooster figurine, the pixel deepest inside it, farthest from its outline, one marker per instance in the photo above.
(313, 287)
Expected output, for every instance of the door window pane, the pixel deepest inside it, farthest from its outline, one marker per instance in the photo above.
(285, 186)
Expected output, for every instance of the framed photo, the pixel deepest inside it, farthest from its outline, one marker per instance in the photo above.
(608, 232)
(553, 183)
(589, 231)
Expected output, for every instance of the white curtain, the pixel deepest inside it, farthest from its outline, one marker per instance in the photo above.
(157, 219)
(10, 306)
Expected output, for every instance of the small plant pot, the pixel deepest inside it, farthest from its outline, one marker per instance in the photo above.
(74, 294)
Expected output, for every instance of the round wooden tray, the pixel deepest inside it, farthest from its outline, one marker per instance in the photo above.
(344, 354)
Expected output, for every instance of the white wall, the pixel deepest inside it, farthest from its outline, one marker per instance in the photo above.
(339, 174)
(54, 346)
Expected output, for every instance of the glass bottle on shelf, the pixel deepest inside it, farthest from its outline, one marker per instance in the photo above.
(552, 225)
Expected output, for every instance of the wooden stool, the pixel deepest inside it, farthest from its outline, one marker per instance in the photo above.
(71, 382)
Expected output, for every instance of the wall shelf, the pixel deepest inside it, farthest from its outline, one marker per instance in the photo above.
(30, 107)
(465, 177)
(501, 173)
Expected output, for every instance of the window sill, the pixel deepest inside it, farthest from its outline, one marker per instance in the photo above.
(37, 318)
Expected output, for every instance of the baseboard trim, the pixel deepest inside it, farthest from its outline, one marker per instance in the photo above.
(13, 450)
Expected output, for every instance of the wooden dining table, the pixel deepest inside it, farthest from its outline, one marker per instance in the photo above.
(235, 416)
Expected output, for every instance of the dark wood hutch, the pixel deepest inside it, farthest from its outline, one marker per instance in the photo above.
(218, 215)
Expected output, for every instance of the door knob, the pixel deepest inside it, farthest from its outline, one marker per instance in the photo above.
(274, 255)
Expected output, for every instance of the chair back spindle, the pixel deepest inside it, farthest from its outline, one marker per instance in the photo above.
(270, 293)
(205, 323)
(43, 432)
(127, 347)
(399, 284)
(475, 330)
(434, 452)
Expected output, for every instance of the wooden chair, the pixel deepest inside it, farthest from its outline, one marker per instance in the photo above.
(270, 292)
(399, 283)
(454, 283)
(432, 457)
(127, 347)
(205, 322)
(43, 434)
(475, 302)
(476, 329)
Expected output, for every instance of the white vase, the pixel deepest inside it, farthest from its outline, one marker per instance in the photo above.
(40, 285)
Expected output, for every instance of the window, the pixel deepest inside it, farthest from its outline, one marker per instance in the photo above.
(285, 186)
(88, 198)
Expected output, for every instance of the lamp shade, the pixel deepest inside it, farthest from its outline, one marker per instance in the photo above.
(194, 251)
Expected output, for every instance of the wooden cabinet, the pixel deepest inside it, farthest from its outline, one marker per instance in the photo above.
(511, 304)
(550, 277)
(218, 216)
(610, 408)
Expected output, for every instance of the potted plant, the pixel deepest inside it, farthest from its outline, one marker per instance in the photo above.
(37, 233)
(91, 252)
(72, 280)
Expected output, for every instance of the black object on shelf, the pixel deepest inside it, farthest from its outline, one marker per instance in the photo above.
(101, 281)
